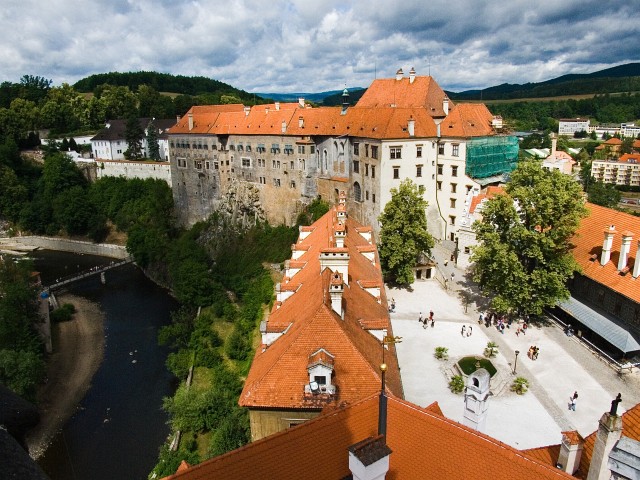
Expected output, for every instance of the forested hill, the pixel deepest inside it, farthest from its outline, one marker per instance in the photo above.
(161, 82)
(623, 78)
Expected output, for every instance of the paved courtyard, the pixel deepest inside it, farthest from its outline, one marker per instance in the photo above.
(534, 419)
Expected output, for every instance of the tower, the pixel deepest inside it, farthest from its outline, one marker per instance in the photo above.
(476, 398)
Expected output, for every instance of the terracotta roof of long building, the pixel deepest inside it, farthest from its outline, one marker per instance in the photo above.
(424, 444)
(278, 374)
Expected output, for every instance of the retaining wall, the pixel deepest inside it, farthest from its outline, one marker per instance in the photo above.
(66, 245)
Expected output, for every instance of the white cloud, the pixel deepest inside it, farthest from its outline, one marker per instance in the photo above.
(303, 46)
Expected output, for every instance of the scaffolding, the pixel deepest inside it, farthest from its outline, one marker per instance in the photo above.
(491, 156)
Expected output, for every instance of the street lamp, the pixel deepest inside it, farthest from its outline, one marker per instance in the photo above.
(515, 363)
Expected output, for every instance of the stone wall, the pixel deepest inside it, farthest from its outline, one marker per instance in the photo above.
(129, 169)
(67, 245)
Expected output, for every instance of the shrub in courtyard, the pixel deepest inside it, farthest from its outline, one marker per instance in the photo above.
(456, 384)
(491, 350)
(441, 353)
(520, 385)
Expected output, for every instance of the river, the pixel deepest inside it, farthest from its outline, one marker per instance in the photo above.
(119, 425)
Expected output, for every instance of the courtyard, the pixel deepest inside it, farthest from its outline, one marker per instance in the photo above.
(538, 417)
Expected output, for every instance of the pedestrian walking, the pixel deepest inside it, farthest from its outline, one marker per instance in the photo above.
(420, 317)
(572, 401)
(432, 322)
(462, 330)
(430, 314)
(481, 318)
(469, 331)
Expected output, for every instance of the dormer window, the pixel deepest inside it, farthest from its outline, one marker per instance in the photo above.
(320, 370)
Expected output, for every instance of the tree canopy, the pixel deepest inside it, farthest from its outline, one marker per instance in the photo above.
(523, 257)
(403, 235)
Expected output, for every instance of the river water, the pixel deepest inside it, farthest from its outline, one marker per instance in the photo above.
(119, 425)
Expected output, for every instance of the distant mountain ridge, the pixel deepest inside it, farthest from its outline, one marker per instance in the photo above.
(615, 79)
(311, 97)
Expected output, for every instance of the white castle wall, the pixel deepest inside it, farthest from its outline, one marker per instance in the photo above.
(128, 169)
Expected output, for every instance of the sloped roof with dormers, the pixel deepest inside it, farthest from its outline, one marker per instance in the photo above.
(424, 444)
(278, 374)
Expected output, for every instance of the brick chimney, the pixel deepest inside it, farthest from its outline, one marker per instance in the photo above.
(369, 459)
(570, 452)
(625, 248)
(399, 74)
(336, 289)
(445, 105)
(412, 75)
(636, 263)
(606, 245)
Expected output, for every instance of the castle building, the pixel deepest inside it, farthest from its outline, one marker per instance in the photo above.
(402, 128)
(321, 344)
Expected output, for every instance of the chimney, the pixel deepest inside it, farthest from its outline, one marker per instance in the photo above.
(178, 118)
(570, 452)
(609, 432)
(625, 248)
(277, 106)
(336, 289)
(266, 110)
(190, 116)
(636, 262)
(300, 122)
(369, 459)
(339, 234)
(445, 105)
(438, 130)
(284, 126)
(412, 75)
(411, 126)
(301, 102)
(247, 110)
(606, 245)
(554, 145)
(399, 74)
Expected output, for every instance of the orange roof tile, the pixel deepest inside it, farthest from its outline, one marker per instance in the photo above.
(424, 444)
(279, 373)
(588, 241)
(467, 120)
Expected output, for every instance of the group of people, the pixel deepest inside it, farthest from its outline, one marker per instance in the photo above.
(533, 352)
(466, 332)
(427, 320)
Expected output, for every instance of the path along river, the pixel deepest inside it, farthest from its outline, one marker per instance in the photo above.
(119, 425)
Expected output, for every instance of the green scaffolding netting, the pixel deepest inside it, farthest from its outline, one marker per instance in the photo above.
(490, 156)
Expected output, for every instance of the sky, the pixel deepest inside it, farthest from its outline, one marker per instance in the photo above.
(295, 46)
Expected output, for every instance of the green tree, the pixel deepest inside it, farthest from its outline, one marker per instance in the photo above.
(152, 141)
(523, 255)
(133, 135)
(605, 194)
(403, 235)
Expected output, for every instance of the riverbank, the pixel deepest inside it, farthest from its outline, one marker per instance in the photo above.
(78, 349)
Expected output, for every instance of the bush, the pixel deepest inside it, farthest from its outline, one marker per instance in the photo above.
(238, 346)
(456, 384)
(208, 358)
(491, 350)
(63, 314)
(179, 362)
(441, 353)
(520, 385)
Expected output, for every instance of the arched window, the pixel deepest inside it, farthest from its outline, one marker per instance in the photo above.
(357, 192)
(325, 161)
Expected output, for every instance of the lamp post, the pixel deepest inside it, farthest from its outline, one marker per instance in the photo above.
(515, 363)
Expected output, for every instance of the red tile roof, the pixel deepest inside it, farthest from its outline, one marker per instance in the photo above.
(588, 242)
(279, 373)
(424, 444)
(467, 120)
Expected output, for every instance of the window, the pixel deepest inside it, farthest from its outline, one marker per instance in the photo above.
(246, 162)
(288, 149)
(454, 170)
(248, 147)
(469, 187)
(356, 148)
(454, 187)
(366, 149)
(439, 169)
(373, 197)
(366, 169)
(292, 165)
(395, 152)
(182, 162)
(312, 149)
(356, 166)
(273, 164)
(260, 147)
(206, 165)
(293, 184)
(215, 166)
(374, 151)
(240, 147)
(439, 185)
(373, 171)
(396, 172)
(366, 195)
(301, 149)
(441, 149)
(197, 164)
(452, 220)
(320, 379)
(467, 250)
(418, 170)
(419, 151)
(276, 182)
(452, 203)
(456, 150)
(275, 148)
(231, 147)
(357, 192)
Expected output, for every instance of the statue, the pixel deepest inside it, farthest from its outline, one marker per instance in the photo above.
(614, 405)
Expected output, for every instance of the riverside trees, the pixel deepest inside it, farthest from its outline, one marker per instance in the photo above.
(403, 235)
(523, 255)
